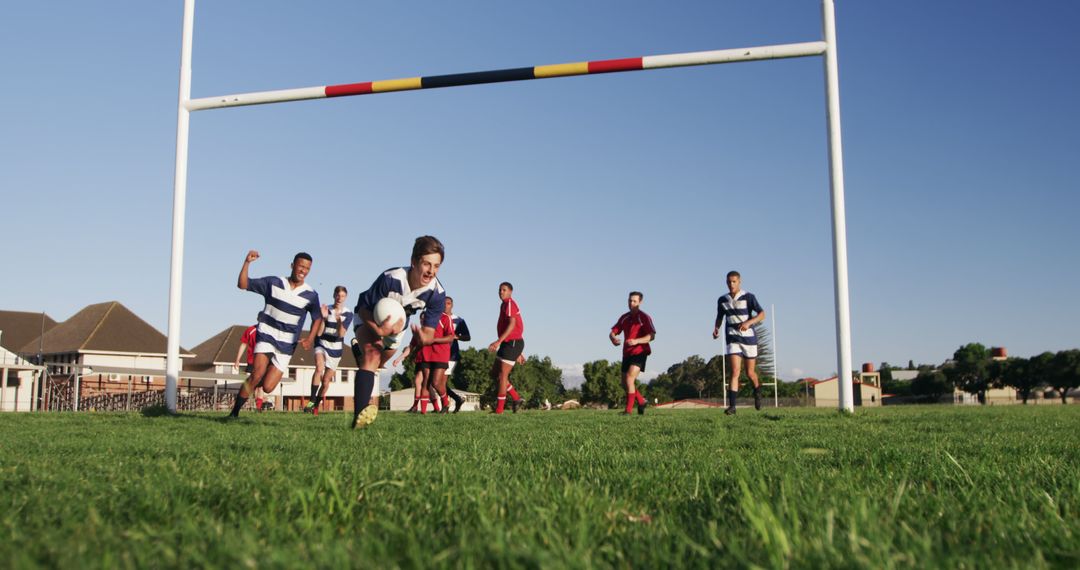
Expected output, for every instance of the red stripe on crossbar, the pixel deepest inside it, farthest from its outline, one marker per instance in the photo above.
(348, 89)
(609, 65)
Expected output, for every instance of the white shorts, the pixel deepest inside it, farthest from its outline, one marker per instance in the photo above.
(277, 358)
(747, 350)
(450, 368)
(330, 361)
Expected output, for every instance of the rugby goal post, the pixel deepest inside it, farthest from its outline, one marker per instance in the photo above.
(825, 48)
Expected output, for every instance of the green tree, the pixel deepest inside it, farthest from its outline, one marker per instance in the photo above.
(1064, 373)
(931, 385)
(970, 369)
(537, 380)
(766, 359)
(473, 373)
(603, 383)
(886, 374)
(1019, 373)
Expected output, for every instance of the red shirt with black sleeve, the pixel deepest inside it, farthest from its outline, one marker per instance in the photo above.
(634, 326)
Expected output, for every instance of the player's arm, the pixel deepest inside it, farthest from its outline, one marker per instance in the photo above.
(322, 324)
(649, 336)
(242, 280)
(751, 322)
(719, 318)
(404, 354)
(613, 336)
(240, 353)
(425, 334)
(316, 327)
(463, 332)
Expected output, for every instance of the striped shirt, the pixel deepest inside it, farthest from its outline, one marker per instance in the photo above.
(282, 319)
(331, 338)
(430, 301)
(742, 308)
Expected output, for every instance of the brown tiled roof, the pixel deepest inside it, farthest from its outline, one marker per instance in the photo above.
(19, 328)
(221, 348)
(106, 327)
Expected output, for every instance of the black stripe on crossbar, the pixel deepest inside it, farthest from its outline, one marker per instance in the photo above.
(477, 77)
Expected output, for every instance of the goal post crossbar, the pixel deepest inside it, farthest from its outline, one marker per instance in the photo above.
(713, 57)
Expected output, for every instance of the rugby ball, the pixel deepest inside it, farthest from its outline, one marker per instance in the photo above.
(387, 307)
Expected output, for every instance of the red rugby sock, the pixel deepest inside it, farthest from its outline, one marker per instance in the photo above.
(500, 405)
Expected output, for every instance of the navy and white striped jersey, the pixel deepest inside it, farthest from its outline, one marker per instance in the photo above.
(742, 308)
(394, 283)
(461, 330)
(282, 319)
(331, 340)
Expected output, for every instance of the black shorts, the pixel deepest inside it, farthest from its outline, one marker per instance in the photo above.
(432, 365)
(249, 368)
(632, 360)
(511, 350)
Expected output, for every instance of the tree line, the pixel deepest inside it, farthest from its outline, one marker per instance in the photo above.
(973, 370)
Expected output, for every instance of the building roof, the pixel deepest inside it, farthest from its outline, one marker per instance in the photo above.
(104, 327)
(19, 328)
(218, 349)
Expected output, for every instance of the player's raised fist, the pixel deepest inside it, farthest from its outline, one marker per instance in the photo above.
(251, 256)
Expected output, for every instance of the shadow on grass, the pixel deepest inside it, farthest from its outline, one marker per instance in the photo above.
(163, 412)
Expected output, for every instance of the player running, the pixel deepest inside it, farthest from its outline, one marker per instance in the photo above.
(742, 311)
(461, 333)
(638, 330)
(508, 347)
(328, 347)
(418, 289)
(288, 302)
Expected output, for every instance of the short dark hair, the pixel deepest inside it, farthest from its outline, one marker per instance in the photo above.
(733, 273)
(302, 255)
(508, 285)
(425, 245)
(449, 298)
(339, 289)
(638, 294)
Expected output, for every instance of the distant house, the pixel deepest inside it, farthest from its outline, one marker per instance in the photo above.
(105, 335)
(218, 353)
(866, 391)
(19, 377)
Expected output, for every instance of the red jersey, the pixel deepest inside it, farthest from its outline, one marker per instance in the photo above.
(634, 326)
(248, 338)
(509, 309)
(440, 352)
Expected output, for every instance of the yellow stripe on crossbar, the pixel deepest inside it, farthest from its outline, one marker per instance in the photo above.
(395, 85)
(562, 69)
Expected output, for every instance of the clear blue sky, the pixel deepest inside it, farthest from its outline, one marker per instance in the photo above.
(960, 136)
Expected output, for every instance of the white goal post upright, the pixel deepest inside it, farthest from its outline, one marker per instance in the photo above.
(826, 48)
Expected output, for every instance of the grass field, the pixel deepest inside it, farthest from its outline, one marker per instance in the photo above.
(894, 487)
